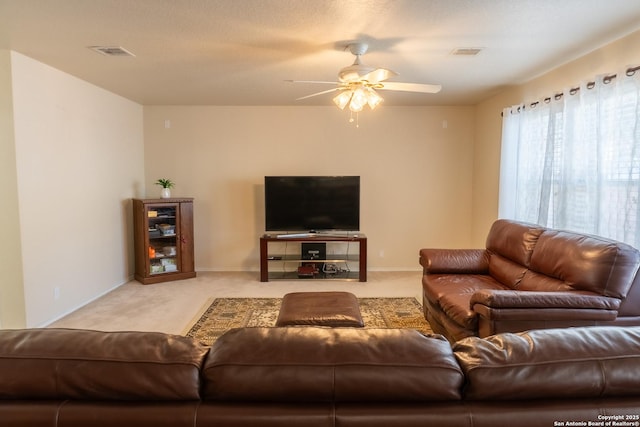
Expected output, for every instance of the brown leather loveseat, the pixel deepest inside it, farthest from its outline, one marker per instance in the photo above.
(530, 277)
(319, 377)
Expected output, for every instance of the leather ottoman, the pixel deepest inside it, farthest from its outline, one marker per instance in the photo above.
(334, 309)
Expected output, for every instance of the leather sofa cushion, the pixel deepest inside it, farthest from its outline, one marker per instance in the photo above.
(452, 295)
(86, 365)
(457, 307)
(505, 271)
(552, 363)
(330, 364)
(586, 262)
(533, 281)
(513, 240)
(436, 286)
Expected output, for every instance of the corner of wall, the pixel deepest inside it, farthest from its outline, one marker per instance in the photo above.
(12, 303)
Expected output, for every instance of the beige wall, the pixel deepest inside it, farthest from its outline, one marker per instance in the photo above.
(79, 161)
(72, 156)
(415, 166)
(612, 58)
(12, 309)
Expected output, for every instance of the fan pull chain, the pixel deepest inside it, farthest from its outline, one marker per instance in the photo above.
(357, 119)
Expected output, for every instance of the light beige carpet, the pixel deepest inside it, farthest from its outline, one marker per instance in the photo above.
(226, 313)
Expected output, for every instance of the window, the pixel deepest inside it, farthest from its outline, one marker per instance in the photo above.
(573, 161)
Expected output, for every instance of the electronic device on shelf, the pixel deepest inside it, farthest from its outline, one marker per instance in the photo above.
(307, 270)
(330, 269)
(319, 203)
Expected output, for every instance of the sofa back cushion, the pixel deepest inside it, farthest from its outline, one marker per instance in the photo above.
(510, 245)
(513, 240)
(91, 365)
(331, 364)
(585, 262)
(552, 363)
(529, 257)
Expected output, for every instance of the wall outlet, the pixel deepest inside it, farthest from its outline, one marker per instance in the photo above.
(56, 293)
(381, 253)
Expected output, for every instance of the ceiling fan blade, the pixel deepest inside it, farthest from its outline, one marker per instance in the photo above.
(410, 87)
(318, 93)
(311, 81)
(378, 75)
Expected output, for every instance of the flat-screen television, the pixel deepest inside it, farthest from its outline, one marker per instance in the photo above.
(312, 203)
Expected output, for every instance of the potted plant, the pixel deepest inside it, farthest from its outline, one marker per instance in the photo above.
(166, 185)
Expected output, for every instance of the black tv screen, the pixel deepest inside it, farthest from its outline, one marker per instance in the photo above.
(312, 203)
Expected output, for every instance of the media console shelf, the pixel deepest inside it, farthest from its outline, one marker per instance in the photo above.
(284, 261)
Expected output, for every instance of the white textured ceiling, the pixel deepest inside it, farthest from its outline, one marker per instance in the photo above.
(240, 52)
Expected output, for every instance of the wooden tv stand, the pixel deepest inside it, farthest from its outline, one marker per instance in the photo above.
(288, 260)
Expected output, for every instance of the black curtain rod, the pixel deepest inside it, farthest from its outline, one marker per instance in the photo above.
(606, 80)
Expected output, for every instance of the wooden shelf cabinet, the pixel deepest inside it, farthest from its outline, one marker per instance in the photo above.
(282, 264)
(163, 239)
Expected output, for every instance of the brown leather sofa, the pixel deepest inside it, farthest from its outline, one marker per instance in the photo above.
(319, 377)
(530, 277)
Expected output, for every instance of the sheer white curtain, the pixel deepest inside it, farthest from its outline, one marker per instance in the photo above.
(573, 161)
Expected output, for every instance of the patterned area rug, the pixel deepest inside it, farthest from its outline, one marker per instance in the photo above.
(227, 313)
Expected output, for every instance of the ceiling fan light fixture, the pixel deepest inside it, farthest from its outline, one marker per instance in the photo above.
(357, 84)
(373, 99)
(356, 97)
(358, 100)
(342, 99)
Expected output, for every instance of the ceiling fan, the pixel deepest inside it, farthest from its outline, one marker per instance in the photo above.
(357, 84)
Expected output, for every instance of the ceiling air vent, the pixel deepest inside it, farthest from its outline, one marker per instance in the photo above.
(111, 50)
(466, 51)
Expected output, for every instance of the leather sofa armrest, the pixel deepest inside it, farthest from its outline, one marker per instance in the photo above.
(548, 300)
(454, 261)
